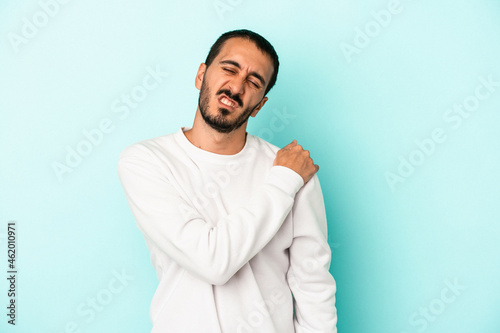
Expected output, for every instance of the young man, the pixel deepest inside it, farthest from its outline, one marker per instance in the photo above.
(236, 226)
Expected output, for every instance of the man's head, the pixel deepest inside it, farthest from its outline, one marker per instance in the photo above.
(259, 41)
(240, 69)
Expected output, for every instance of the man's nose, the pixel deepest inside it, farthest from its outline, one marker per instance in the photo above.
(237, 86)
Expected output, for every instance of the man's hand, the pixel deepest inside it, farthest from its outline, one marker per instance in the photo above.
(293, 156)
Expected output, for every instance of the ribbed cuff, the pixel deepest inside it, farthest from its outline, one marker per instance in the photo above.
(285, 178)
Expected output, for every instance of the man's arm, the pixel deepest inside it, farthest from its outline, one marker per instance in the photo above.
(213, 253)
(311, 283)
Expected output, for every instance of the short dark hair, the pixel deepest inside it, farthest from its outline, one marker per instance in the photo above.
(261, 43)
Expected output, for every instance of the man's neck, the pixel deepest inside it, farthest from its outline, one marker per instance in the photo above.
(205, 137)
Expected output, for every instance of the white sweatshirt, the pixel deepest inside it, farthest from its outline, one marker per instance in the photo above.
(232, 238)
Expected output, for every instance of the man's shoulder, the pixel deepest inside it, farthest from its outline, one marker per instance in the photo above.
(265, 146)
(152, 146)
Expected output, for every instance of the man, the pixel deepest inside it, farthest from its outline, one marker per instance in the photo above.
(236, 226)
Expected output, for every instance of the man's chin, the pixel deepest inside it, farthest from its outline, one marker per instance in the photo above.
(219, 126)
(222, 129)
(224, 111)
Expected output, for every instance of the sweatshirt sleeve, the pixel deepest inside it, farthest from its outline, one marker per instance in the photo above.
(312, 285)
(213, 252)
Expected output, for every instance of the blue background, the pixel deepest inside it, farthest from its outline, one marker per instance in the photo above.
(365, 84)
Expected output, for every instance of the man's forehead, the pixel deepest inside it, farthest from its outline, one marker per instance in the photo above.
(244, 50)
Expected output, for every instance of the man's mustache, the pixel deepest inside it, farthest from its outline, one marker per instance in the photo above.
(235, 98)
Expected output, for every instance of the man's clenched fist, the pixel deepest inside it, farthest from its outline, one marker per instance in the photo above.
(293, 156)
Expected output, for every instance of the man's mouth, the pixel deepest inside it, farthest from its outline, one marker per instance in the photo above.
(228, 102)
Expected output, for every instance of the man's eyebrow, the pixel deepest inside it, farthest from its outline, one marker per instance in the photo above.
(235, 64)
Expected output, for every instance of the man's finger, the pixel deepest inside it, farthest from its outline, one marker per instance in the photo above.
(291, 144)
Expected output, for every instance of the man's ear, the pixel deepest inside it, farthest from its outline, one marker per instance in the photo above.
(261, 104)
(200, 75)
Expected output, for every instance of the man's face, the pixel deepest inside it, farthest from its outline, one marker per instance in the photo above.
(232, 88)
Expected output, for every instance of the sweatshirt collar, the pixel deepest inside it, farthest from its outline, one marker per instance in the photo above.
(205, 155)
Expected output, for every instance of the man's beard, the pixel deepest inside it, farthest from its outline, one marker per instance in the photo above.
(219, 121)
